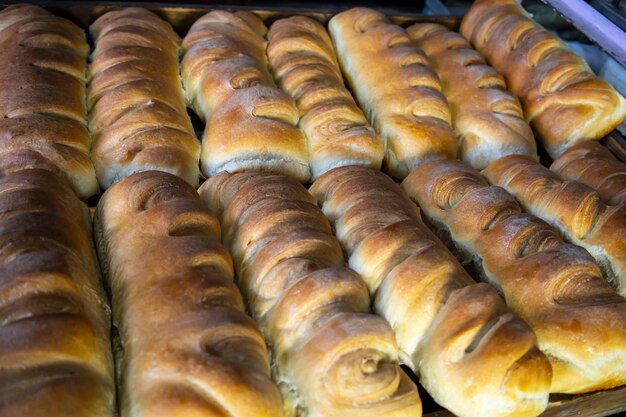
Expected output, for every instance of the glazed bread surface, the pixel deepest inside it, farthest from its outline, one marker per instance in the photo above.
(573, 208)
(595, 166)
(303, 62)
(556, 287)
(250, 123)
(488, 120)
(55, 353)
(331, 357)
(472, 354)
(188, 349)
(137, 113)
(563, 100)
(393, 84)
(42, 96)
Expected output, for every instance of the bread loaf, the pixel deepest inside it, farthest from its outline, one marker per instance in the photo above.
(556, 287)
(396, 89)
(595, 166)
(137, 110)
(303, 62)
(250, 123)
(472, 354)
(55, 353)
(488, 120)
(188, 347)
(563, 100)
(571, 207)
(42, 96)
(331, 357)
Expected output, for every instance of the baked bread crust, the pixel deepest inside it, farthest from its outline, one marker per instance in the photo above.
(563, 100)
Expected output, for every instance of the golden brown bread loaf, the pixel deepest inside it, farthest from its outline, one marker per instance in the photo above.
(330, 357)
(303, 62)
(188, 347)
(556, 287)
(488, 120)
(571, 207)
(55, 353)
(563, 100)
(250, 123)
(472, 354)
(595, 166)
(42, 96)
(137, 110)
(396, 89)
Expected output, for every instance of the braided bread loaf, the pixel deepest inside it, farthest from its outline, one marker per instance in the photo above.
(304, 64)
(595, 166)
(473, 355)
(563, 100)
(396, 89)
(188, 348)
(55, 353)
(488, 120)
(557, 288)
(331, 358)
(137, 110)
(42, 96)
(250, 123)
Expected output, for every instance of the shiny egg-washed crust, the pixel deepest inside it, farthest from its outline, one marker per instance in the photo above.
(331, 358)
(251, 125)
(55, 353)
(556, 287)
(42, 96)
(595, 166)
(571, 207)
(393, 84)
(488, 120)
(138, 114)
(472, 354)
(188, 347)
(563, 100)
(303, 61)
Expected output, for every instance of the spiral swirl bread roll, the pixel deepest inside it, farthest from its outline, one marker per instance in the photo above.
(250, 123)
(55, 353)
(473, 355)
(563, 100)
(188, 347)
(331, 358)
(595, 166)
(557, 288)
(303, 62)
(396, 89)
(138, 114)
(571, 207)
(488, 120)
(42, 96)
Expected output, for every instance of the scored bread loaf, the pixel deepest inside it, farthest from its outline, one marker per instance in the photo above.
(55, 353)
(488, 120)
(563, 100)
(472, 354)
(330, 357)
(303, 61)
(188, 347)
(42, 96)
(138, 114)
(556, 287)
(595, 166)
(396, 89)
(250, 123)
(571, 207)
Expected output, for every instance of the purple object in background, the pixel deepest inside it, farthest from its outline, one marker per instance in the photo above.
(593, 24)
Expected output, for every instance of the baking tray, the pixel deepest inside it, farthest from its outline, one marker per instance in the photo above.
(182, 15)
